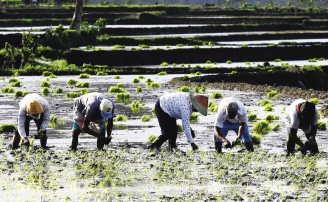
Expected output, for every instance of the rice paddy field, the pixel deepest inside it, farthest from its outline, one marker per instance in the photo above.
(134, 62)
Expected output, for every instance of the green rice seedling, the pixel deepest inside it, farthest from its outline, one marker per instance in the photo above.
(248, 63)
(197, 73)
(13, 80)
(45, 91)
(278, 60)
(84, 91)
(16, 73)
(121, 118)
(261, 127)
(228, 62)
(141, 77)
(144, 46)
(196, 89)
(139, 89)
(145, 118)
(164, 64)
(118, 47)
(83, 85)
(72, 94)
(7, 128)
(52, 76)
(193, 116)
(59, 90)
(84, 76)
(180, 45)
(268, 108)
(55, 121)
(72, 82)
(123, 97)
(272, 45)
(233, 72)
(135, 105)
(243, 45)
(180, 128)
(7, 90)
(314, 100)
(101, 73)
(46, 73)
(120, 85)
(151, 138)
(182, 65)
(216, 95)
(208, 62)
(185, 77)
(116, 89)
(271, 117)
(273, 94)
(153, 85)
(116, 77)
(256, 138)
(149, 80)
(276, 128)
(212, 107)
(203, 89)
(252, 117)
(264, 102)
(16, 84)
(25, 93)
(162, 73)
(19, 93)
(184, 89)
(45, 84)
(312, 60)
(136, 80)
(322, 125)
(196, 46)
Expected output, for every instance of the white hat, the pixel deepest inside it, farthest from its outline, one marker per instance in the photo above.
(106, 108)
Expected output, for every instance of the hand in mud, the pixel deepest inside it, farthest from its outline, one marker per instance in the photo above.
(26, 142)
(108, 140)
(303, 149)
(227, 144)
(194, 146)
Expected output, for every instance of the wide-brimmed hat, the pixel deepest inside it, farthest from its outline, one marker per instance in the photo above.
(232, 109)
(34, 107)
(200, 102)
(106, 108)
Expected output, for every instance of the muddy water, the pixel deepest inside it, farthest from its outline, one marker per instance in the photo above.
(139, 169)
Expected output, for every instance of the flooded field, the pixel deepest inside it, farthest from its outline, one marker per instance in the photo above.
(126, 170)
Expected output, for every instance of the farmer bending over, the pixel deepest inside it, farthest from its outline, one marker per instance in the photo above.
(171, 107)
(32, 107)
(303, 115)
(90, 112)
(231, 116)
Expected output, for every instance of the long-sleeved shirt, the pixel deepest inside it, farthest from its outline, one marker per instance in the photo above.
(293, 120)
(179, 106)
(23, 112)
(223, 116)
(88, 105)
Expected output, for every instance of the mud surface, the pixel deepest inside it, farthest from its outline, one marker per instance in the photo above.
(126, 170)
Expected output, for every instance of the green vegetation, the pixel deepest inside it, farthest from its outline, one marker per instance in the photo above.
(45, 91)
(136, 80)
(139, 89)
(77, 94)
(196, 89)
(151, 138)
(184, 89)
(216, 95)
(7, 90)
(72, 82)
(116, 77)
(193, 116)
(252, 117)
(314, 100)
(84, 76)
(145, 118)
(273, 94)
(135, 106)
(164, 64)
(116, 89)
(55, 121)
(276, 128)
(153, 85)
(271, 117)
(212, 107)
(264, 102)
(7, 128)
(101, 73)
(45, 84)
(261, 127)
(161, 73)
(83, 84)
(59, 90)
(19, 93)
(123, 97)
(256, 138)
(322, 125)
(121, 118)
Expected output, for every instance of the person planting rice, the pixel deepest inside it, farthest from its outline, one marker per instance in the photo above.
(32, 107)
(303, 115)
(173, 106)
(231, 116)
(90, 112)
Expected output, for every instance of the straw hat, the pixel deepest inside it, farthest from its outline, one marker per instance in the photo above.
(200, 102)
(34, 107)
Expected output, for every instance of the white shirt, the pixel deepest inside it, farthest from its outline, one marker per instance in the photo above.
(292, 119)
(222, 115)
(179, 106)
(23, 112)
